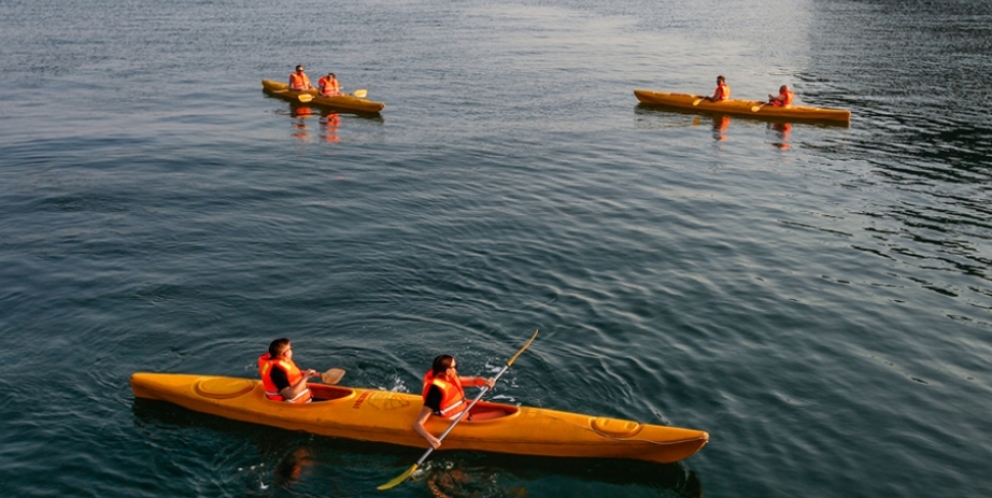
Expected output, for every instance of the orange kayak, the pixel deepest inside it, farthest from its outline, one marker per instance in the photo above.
(385, 416)
(751, 108)
(343, 102)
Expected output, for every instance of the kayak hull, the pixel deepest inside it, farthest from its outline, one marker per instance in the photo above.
(344, 102)
(384, 416)
(742, 107)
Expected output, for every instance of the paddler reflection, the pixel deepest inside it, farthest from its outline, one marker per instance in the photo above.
(720, 125)
(291, 467)
(782, 134)
(329, 126)
(301, 113)
(453, 482)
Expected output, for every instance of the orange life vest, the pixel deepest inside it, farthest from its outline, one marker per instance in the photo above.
(298, 81)
(722, 92)
(453, 401)
(329, 86)
(293, 374)
(784, 98)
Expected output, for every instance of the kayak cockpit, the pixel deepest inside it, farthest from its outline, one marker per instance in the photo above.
(484, 412)
(321, 392)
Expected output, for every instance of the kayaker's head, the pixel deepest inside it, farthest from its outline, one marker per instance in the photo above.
(720, 80)
(280, 347)
(299, 69)
(331, 76)
(783, 89)
(443, 364)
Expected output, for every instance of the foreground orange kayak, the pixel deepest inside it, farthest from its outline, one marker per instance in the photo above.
(385, 416)
(752, 108)
(344, 102)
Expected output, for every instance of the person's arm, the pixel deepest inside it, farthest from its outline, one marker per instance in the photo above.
(418, 427)
(294, 390)
(477, 381)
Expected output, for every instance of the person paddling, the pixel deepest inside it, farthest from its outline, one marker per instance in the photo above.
(282, 379)
(329, 86)
(299, 80)
(444, 396)
(784, 97)
(722, 91)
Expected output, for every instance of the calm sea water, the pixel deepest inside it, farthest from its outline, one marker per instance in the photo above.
(817, 298)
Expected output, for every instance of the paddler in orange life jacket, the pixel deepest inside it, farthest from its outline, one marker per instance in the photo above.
(282, 379)
(329, 86)
(444, 396)
(784, 97)
(722, 91)
(299, 80)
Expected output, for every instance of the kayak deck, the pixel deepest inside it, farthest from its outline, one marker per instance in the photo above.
(750, 108)
(385, 416)
(345, 102)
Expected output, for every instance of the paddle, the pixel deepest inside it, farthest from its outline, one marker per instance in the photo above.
(758, 107)
(697, 101)
(402, 477)
(332, 376)
(360, 93)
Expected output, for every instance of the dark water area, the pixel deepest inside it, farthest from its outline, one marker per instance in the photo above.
(815, 297)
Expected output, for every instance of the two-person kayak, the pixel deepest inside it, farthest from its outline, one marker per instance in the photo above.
(342, 102)
(384, 416)
(750, 108)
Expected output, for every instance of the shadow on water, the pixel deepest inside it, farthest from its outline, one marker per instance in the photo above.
(455, 473)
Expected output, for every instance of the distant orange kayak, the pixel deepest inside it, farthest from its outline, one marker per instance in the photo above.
(753, 108)
(343, 102)
(384, 416)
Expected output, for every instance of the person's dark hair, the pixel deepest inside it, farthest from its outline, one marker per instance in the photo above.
(721, 78)
(332, 75)
(277, 347)
(442, 363)
(298, 67)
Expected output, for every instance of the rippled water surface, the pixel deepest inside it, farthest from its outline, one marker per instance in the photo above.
(815, 297)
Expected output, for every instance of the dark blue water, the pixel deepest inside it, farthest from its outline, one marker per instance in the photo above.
(817, 298)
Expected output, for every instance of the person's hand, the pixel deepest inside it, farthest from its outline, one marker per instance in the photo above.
(490, 382)
(435, 442)
(312, 373)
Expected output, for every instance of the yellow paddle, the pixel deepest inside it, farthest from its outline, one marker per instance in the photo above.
(360, 93)
(697, 101)
(758, 107)
(402, 477)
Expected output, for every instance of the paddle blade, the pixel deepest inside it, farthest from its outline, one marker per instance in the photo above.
(305, 97)
(509, 363)
(696, 102)
(398, 479)
(360, 93)
(332, 376)
(757, 108)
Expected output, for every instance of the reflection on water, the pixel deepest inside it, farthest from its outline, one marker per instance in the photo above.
(782, 134)
(291, 467)
(329, 127)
